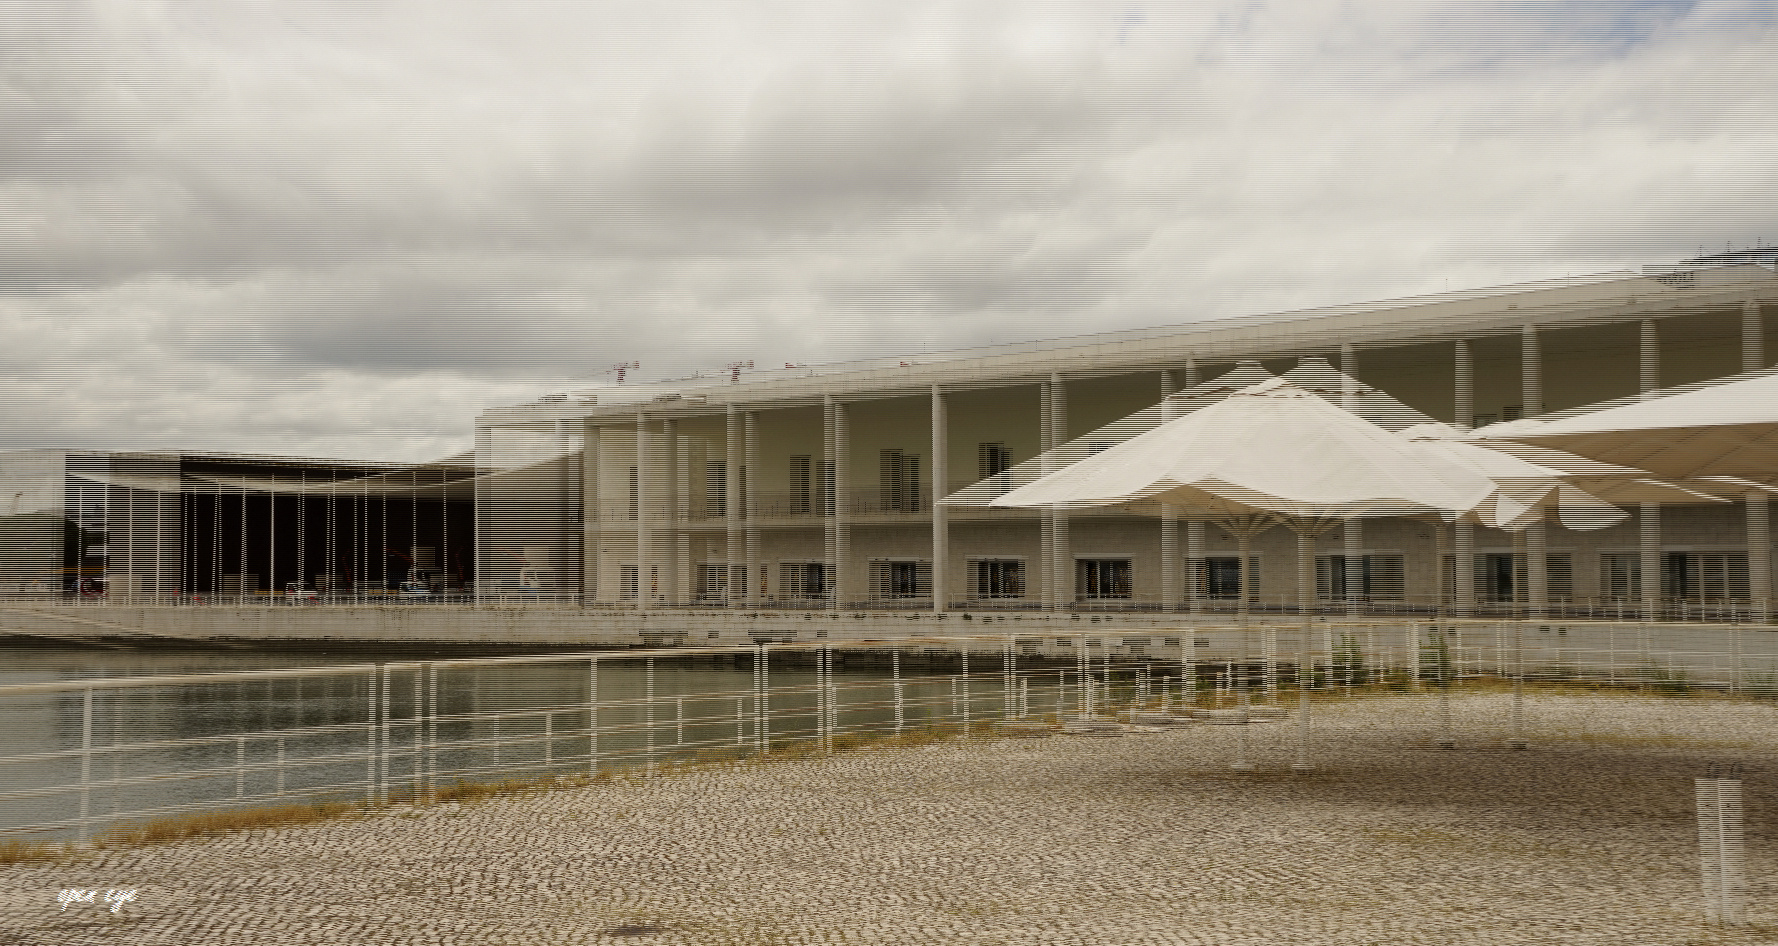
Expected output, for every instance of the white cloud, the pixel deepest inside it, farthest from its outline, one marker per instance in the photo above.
(341, 228)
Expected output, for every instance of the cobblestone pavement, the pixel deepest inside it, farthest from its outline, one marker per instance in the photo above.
(1587, 837)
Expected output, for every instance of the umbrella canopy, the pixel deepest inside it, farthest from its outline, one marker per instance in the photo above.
(1524, 491)
(1728, 429)
(1271, 447)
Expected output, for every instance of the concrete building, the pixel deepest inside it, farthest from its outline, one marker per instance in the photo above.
(813, 488)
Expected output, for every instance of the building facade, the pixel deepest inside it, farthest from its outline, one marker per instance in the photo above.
(815, 488)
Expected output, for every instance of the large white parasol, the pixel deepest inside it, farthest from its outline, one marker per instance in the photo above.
(1267, 449)
(1726, 429)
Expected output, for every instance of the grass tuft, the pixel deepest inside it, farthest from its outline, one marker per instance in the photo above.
(212, 824)
(32, 852)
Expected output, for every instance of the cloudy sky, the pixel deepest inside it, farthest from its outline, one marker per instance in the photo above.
(342, 228)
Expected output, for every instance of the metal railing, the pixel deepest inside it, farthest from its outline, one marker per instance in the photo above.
(95, 755)
(377, 734)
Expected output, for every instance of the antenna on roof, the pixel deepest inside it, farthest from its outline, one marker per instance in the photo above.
(622, 369)
(734, 369)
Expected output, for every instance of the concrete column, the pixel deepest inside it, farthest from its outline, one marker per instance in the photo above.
(1463, 561)
(1169, 521)
(1046, 556)
(1759, 522)
(941, 518)
(844, 590)
(592, 516)
(732, 551)
(1194, 531)
(672, 495)
(755, 591)
(1650, 533)
(1649, 519)
(1537, 578)
(644, 514)
(1463, 395)
(1061, 551)
(1530, 372)
(1759, 554)
(1352, 533)
(1753, 337)
(830, 535)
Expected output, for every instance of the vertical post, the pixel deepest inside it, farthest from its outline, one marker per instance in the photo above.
(1721, 850)
(240, 765)
(754, 586)
(895, 685)
(370, 738)
(762, 701)
(968, 708)
(431, 728)
(86, 762)
(383, 737)
(280, 765)
(1305, 572)
(941, 519)
(644, 514)
(648, 715)
(740, 717)
(678, 721)
(419, 735)
(592, 716)
(1517, 739)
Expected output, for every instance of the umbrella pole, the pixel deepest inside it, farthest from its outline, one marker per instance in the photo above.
(1305, 564)
(1243, 543)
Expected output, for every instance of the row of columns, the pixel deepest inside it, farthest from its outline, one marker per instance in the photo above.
(1056, 565)
(1535, 539)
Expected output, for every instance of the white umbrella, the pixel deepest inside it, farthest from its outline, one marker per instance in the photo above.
(1524, 491)
(1269, 448)
(1727, 429)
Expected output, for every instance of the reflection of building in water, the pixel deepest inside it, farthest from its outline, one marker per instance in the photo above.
(131, 526)
(815, 487)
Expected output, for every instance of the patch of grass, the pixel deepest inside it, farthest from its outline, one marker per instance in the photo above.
(32, 852)
(211, 824)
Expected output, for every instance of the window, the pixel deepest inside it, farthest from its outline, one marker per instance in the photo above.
(635, 494)
(1512, 412)
(1500, 577)
(1620, 576)
(627, 581)
(1220, 577)
(992, 459)
(997, 578)
(1098, 579)
(1377, 577)
(828, 485)
(898, 481)
(900, 579)
(1704, 576)
(712, 582)
(802, 486)
(716, 488)
(805, 581)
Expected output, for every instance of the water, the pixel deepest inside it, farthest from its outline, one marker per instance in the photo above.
(162, 750)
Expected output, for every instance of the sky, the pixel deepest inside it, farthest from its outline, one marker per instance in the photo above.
(344, 228)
